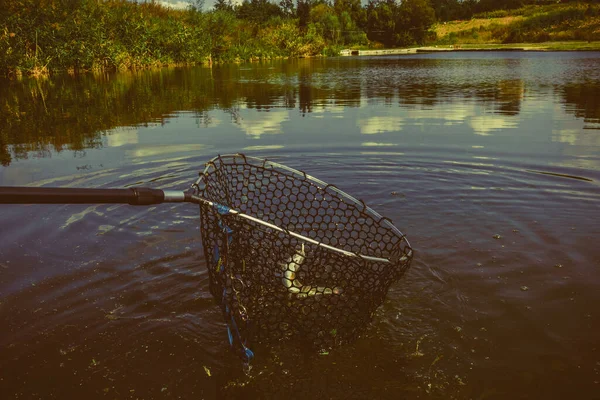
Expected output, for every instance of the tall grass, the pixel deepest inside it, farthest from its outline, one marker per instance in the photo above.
(38, 36)
(90, 35)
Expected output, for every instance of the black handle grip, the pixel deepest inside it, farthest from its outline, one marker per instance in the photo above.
(44, 195)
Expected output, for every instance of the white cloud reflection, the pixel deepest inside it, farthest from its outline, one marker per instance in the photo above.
(121, 136)
(569, 136)
(266, 147)
(440, 115)
(379, 124)
(445, 114)
(376, 144)
(482, 123)
(485, 125)
(320, 110)
(154, 150)
(256, 123)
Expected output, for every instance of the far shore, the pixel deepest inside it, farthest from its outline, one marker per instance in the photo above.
(548, 46)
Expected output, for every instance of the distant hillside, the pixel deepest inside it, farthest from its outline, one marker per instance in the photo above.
(529, 24)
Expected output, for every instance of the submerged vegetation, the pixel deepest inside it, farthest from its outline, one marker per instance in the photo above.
(39, 36)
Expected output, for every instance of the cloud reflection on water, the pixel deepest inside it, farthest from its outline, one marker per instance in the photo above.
(121, 136)
(484, 125)
(256, 124)
(380, 124)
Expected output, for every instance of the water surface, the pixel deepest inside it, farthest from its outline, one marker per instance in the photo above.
(490, 163)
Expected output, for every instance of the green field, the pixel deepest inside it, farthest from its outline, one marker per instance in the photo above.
(569, 26)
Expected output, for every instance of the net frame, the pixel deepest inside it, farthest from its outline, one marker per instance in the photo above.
(265, 227)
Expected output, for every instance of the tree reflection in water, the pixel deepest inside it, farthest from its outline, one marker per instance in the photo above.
(38, 117)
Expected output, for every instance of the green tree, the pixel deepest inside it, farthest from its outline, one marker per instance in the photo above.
(326, 22)
(223, 5)
(287, 8)
(357, 13)
(303, 13)
(381, 21)
(415, 17)
(491, 5)
(258, 11)
(351, 34)
(219, 26)
(448, 10)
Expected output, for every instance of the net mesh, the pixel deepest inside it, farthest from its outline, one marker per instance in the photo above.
(273, 286)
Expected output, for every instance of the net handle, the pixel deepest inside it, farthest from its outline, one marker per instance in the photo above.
(138, 196)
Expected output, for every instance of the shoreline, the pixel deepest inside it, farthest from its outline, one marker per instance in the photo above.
(539, 47)
(491, 47)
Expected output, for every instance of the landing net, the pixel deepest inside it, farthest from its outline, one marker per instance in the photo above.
(310, 263)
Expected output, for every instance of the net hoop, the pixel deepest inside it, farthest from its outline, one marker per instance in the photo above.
(212, 165)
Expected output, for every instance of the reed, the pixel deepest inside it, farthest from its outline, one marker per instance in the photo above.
(42, 36)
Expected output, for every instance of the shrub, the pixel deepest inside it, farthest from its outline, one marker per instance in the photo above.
(515, 35)
(539, 36)
(492, 14)
(332, 51)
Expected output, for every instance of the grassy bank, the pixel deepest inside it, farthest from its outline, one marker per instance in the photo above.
(572, 45)
(39, 36)
(569, 25)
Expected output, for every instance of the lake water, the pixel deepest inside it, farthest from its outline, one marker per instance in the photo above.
(488, 162)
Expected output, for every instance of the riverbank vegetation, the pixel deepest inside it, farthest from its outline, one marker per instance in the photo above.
(39, 36)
